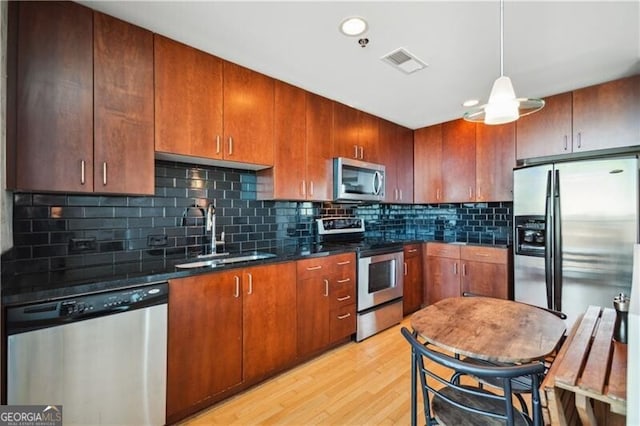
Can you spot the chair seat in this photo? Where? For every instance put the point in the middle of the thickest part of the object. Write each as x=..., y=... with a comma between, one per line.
x=448, y=414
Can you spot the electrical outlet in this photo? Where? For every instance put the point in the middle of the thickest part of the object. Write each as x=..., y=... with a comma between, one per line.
x=82, y=245
x=158, y=240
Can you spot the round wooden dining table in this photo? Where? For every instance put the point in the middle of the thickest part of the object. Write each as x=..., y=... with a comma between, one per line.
x=490, y=329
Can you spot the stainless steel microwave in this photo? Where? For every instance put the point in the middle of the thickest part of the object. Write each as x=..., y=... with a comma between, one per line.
x=355, y=180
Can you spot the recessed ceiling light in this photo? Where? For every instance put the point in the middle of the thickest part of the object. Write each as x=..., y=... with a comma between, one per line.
x=353, y=26
x=470, y=103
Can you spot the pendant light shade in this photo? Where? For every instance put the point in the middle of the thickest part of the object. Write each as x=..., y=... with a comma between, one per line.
x=503, y=106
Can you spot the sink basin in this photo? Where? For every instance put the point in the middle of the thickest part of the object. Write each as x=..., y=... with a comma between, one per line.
x=212, y=263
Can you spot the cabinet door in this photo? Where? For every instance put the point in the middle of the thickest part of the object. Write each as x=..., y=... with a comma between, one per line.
x=54, y=97
x=404, y=165
x=443, y=278
x=546, y=132
x=607, y=115
x=495, y=160
x=458, y=161
x=388, y=145
x=248, y=115
x=269, y=319
x=346, y=129
x=204, y=339
x=289, y=180
x=319, y=162
x=123, y=107
x=313, y=306
x=413, y=287
x=188, y=100
x=427, y=164
x=485, y=279
x=368, y=137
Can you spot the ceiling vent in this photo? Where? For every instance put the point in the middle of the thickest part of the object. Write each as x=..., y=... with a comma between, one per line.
x=404, y=61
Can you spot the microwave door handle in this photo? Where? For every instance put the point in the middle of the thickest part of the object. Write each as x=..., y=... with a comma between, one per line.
x=377, y=183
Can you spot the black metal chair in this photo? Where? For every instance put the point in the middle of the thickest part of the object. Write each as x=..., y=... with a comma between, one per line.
x=448, y=402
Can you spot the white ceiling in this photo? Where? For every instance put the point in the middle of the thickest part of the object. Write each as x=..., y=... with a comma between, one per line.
x=550, y=46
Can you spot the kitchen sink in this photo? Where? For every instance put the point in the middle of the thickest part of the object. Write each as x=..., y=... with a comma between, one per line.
x=212, y=263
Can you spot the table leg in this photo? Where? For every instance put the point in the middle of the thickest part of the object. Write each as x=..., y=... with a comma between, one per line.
x=585, y=411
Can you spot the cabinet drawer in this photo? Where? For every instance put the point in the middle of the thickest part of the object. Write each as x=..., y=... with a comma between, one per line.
x=412, y=250
x=484, y=254
x=342, y=294
x=339, y=265
x=342, y=322
x=443, y=250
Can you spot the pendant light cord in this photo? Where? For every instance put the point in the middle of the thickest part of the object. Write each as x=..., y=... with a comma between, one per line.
x=501, y=38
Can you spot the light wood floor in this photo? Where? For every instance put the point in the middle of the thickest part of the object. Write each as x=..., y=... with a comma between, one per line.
x=355, y=384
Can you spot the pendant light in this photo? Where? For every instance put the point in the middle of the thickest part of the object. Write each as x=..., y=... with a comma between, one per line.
x=503, y=106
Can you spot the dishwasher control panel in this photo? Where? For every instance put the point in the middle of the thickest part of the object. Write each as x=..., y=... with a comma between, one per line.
x=48, y=314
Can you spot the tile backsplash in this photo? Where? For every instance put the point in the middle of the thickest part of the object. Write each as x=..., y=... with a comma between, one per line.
x=64, y=231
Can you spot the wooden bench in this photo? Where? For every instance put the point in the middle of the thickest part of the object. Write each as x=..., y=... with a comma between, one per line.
x=589, y=367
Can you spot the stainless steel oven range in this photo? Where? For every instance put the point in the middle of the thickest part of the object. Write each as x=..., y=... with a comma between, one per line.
x=380, y=273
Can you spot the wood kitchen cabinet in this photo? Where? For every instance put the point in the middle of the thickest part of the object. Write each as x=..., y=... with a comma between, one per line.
x=495, y=160
x=427, y=168
x=396, y=151
x=209, y=108
x=204, y=340
x=413, y=288
x=228, y=329
x=355, y=134
x=326, y=296
x=303, y=166
x=459, y=161
x=91, y=129
x=596, y=117
x=453, y=269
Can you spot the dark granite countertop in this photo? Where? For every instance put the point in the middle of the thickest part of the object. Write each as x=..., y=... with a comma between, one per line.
x=44, y=286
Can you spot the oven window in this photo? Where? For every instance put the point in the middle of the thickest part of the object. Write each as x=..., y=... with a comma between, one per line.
x=381, y=275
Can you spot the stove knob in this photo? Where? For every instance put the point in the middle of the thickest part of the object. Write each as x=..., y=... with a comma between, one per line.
x=135, y=297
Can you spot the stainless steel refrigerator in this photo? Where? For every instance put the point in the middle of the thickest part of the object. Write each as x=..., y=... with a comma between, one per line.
x=575, y=225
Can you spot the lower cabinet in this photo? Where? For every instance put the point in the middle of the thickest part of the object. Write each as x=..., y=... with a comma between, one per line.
x=453, y=269
x=326, y=301
x=225, y=329
x=413, y=289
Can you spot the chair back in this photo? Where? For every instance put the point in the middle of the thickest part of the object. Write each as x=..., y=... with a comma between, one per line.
x=448, y=401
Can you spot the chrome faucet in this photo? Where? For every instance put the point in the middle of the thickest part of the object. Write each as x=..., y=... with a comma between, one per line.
x=211, y=226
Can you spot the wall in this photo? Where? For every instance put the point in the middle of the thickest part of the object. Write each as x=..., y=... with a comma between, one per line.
x=5, y=197
x=48, y=228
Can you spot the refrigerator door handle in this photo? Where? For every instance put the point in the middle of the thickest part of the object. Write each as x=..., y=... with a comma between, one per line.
x=548, y=270
x=557, y=245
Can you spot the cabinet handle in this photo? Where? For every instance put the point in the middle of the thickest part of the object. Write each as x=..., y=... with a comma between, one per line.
x=303, y=188
x=311, y=188
x=342, y=299
x=405, y=268
x=395, y=194
x=579, y=139
x=455, y=268
x=464, y=269
x=399, y=194
x=236, y=294
x=345, y=262
x=217, y=144
x=344, y=280
x=438, y=194
x=314, y=268
x=82, y=173
x=355, y=152
x=250, y=283
x=230, y=145
x=104, y=173
x=412, y=250
x=470, y=193
x=326, y=288
x=341, y=317
x=566, y=142
x=361, y=152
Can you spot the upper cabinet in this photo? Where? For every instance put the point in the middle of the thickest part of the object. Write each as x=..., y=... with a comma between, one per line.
x=211, y=109
x=396, y=151
x=355, y=134
x=459, y=161
x=596, y=117
x=82, y=92
x=188, y=100
x=303, y=167
x=427, y=164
